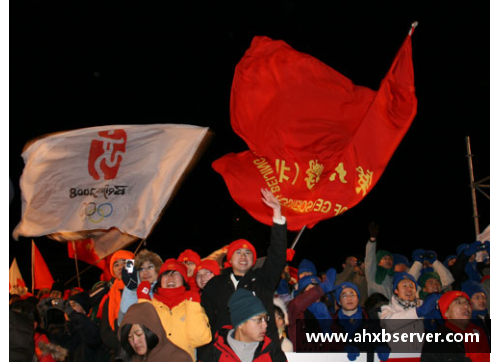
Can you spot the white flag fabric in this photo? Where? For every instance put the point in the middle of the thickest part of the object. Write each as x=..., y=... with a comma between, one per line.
x=80, y=184
x=16, y=281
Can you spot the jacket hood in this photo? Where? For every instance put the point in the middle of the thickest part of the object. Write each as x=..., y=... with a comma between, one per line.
x=145, y=314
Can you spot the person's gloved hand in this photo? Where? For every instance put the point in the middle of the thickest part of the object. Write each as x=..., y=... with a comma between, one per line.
x=143, y=290
x=331, y=274
x=373, y=229
x=473, y=248
x=429, y=305
x=429, y=258
x=352, y=352
x=418, y=255
x=329, y=282
x=487, y=246
x=130, y=279
x=383, y=352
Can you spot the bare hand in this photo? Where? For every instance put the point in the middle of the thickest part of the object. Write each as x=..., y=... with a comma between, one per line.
x=270, y=200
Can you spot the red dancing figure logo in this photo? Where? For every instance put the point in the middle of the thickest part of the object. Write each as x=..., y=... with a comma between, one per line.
x=106, y=154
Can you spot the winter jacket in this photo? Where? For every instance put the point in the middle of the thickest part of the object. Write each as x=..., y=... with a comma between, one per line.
x=394, y=318
x=220, y=351
x=186, y=324
x=146, y=315
x=129, y=297
x=450, y=351
x=263, y=281
x=302, y=322
x=371, y=270
x=84, y=340
x=21, y=337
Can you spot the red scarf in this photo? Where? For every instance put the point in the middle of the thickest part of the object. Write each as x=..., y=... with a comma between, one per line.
x=476, y=351
x=171, y=297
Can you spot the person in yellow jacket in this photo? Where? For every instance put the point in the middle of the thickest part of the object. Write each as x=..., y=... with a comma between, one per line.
x=179, y=309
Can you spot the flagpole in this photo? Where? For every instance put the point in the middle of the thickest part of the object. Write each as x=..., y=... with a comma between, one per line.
x=32, y=267
x=297, y=237
x=76, y=264
x=142, y=241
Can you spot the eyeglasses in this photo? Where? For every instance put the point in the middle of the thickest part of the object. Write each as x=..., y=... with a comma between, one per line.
x=260, y=320
x=347, y=295
x=149, y=267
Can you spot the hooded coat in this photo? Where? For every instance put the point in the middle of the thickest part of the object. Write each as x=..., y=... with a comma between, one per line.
x=145, y=314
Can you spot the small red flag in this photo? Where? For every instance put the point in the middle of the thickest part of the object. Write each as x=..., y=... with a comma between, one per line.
x=319, y=142
x=41, y=273
x=85, y=251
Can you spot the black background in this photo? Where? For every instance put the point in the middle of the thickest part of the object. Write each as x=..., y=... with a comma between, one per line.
x=86, y=63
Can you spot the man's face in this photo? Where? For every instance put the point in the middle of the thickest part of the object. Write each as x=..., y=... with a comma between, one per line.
x=459, y=312
x=386, y=262
x=452, y=261
x=432, y=285
x=400, y=268
x=254, y=329
x=76, y=307
x=241, y=261
x=406, y=290
x=349, y=299
x=55, y=294
x=351, y=261
x=147, y=272
x=118, y=265
x=478, y=301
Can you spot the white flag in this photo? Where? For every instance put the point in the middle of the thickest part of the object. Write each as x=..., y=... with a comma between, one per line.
x=79, y=184
x=16, y=281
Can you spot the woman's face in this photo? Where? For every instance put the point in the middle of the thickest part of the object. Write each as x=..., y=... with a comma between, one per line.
x=406, y=290
x=137, y=340
x=172, y=279
x=118, y=265
x=478, y=301
x=202, y=277
x=147, y=272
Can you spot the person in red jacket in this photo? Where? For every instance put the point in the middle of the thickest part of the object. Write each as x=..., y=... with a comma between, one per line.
x=246, y=339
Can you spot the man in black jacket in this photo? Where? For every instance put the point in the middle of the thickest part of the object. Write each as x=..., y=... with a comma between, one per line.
x=263, y=281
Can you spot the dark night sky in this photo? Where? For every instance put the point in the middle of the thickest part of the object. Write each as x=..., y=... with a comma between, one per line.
x=81, y=64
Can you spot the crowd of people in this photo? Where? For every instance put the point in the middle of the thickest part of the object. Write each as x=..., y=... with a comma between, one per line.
x=225, y=308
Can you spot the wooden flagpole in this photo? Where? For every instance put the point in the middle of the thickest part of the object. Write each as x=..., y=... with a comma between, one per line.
x=473, y=188
x=32, y=266
x=76, y=264
x=297, y=237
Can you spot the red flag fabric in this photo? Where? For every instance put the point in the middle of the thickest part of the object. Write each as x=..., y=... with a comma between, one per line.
x=85, y=252
x=319, y=142
x=42, y=277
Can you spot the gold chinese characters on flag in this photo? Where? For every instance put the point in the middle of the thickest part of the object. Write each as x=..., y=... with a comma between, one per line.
x=319, y=142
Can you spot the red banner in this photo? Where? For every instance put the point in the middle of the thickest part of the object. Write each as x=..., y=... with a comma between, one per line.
x=85, y=252
x=317, y=141
x=42, y=276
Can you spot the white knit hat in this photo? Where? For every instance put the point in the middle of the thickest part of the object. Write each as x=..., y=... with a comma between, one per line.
x=278, y=302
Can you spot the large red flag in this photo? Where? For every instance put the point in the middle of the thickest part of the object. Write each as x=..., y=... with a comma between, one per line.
x=319, y=142
x=41, y=273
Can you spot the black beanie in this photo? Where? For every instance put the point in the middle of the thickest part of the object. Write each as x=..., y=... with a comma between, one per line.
x=83, y=299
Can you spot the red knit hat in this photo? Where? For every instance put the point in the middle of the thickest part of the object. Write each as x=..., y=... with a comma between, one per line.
x=189, y=255
x=211, y=265
x=447, y=298
x=120, y=254
x=172, y=264
x=240, y=244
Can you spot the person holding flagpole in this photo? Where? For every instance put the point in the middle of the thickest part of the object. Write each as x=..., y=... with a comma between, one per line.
x=263, y=281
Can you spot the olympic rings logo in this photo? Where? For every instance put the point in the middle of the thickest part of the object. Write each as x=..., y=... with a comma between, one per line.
x=95, y=213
